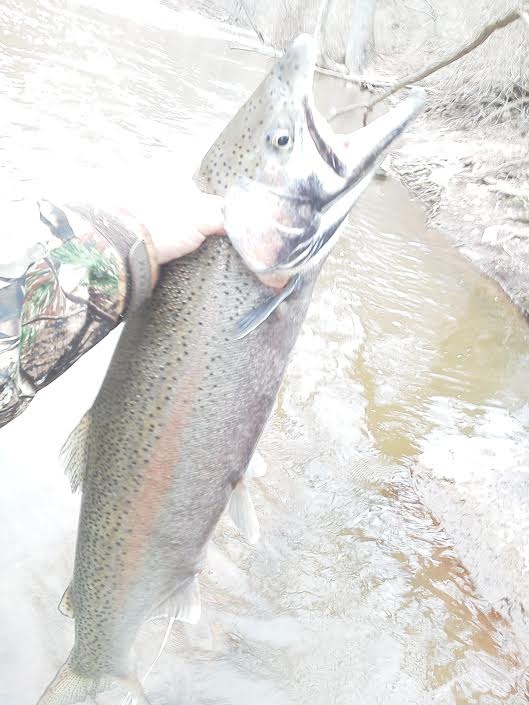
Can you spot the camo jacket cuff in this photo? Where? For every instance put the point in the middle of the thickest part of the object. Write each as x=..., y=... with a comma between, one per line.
x=65, y=283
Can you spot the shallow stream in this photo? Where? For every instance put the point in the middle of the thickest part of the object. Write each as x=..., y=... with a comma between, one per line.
x=394, y=511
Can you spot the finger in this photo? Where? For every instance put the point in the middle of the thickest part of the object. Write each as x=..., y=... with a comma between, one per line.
x=175, y=247
x=210, y=220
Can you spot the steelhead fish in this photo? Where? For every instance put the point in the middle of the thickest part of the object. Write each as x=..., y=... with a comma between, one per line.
x=167, y=443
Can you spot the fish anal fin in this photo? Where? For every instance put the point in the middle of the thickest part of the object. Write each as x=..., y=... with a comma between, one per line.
x=183, y=604
x=74, y=452
x=256, y=466
x=242, y=512
x=134, y=690
x=66, y=603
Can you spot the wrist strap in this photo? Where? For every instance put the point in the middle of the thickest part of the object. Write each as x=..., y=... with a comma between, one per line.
x=141, y=283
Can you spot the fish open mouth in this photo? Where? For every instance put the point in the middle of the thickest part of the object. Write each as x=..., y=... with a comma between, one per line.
x=283, y=216
x=364, y=151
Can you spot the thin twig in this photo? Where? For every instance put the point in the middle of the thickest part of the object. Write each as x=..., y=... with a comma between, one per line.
x=250, y=20
x=363, y=80
x=463, y=50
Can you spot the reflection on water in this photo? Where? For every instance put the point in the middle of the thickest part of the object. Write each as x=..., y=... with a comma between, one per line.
x=393, y=510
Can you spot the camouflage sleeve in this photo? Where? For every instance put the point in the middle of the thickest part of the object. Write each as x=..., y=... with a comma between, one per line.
x=66, y=281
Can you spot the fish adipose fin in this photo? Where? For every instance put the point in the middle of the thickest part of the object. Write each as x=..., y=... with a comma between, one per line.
x=66, y=603
x=252, y=320
x=242, y=512
x=68, y=688
x=73, y=454
x=183, y=605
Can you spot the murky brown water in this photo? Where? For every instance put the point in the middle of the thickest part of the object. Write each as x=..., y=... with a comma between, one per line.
x=394, y=510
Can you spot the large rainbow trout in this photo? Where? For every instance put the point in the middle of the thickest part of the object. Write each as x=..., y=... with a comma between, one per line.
x=167, y=443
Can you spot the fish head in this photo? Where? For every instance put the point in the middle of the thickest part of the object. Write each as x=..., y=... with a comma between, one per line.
x=260, y=141
x=288, y=179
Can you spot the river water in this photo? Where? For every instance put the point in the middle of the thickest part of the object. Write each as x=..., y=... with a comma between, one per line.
x=393, y=563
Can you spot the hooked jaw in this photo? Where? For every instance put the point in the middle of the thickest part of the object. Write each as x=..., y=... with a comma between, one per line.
x=283, y=219
x=360, y=154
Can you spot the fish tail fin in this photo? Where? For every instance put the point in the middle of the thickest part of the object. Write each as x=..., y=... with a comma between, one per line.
x=69, y=687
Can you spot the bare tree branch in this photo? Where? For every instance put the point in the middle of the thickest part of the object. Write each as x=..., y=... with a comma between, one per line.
x=463, y=50
x=360, y=45
x=250, y=20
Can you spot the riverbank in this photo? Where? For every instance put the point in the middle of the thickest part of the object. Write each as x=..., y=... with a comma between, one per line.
x=475, y=187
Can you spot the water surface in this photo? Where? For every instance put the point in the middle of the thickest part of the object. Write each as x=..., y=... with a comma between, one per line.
x=393, y=511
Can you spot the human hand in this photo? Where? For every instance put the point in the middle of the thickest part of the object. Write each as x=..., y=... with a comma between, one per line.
x=180, y=223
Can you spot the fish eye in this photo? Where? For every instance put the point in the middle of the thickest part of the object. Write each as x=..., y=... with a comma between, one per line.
x=281, y=139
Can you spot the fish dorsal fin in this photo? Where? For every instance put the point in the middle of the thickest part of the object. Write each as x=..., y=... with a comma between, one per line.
x=183, y=604
x=242, y=512
x=73, y=455
x=66, y=603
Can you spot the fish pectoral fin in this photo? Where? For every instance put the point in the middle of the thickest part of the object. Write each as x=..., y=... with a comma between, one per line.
x=183, y=604
x=73, y=455
x=66, y=604
x=252, y=320
x=242, y=512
